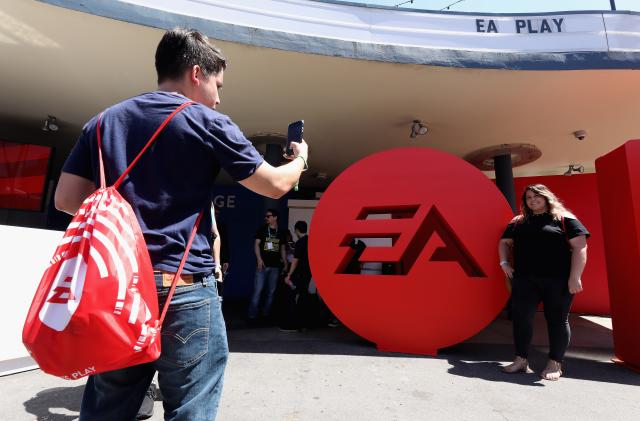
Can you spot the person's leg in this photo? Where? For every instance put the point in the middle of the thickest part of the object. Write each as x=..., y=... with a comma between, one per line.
x=194, y=353
x=557, y=304
x=303, y=309
x=289, y=319
x=303, y=304
x=258, y=285
x=116, y=395
x=524, y=301
x=272, y=275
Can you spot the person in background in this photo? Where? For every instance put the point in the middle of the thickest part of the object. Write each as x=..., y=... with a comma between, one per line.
x=299, y=276
x=548, y=247
x=354, y=267
x=271, y=256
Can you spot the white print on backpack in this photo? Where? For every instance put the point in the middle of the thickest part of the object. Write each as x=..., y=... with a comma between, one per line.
x=146, y=331
x=65, y=294
x=81, y=373
x=58, y=257
x=120, y=272
x=108, y=226
x=109, y=229
x=106, y=229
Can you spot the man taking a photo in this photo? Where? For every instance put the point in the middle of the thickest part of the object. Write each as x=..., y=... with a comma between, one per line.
x=167, y=189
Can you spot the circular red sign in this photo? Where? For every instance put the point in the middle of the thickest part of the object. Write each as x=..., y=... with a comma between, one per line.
x=431, y=220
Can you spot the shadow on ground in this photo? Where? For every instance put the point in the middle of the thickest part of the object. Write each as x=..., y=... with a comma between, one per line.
x=479, y=361
x=588, y=358
x=56, y=404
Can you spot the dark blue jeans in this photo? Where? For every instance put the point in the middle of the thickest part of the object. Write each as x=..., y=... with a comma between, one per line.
x=190, y=368
x=267, y=278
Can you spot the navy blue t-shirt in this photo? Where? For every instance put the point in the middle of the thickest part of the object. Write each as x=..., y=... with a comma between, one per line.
x=173, y=180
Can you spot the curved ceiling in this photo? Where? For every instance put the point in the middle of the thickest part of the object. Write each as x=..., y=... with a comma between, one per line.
x=73, y=64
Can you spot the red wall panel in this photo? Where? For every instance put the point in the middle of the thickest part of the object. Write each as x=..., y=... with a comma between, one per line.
x=23, y=171
x=619, y=190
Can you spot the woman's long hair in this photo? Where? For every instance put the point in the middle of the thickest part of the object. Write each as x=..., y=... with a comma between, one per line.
x=554, y=205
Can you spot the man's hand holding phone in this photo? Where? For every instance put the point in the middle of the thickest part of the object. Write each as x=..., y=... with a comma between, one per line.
x=298, y=149
x=296, y=146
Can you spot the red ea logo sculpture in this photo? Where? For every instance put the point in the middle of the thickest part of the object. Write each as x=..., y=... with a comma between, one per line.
x=439, y=220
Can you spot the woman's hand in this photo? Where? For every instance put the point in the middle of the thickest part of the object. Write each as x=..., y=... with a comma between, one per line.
x=508, y=270
x=575, y=285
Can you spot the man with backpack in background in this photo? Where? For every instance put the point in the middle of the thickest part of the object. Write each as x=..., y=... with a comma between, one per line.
x=168, y=188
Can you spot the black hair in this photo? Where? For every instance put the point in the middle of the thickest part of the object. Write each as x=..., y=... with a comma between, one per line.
x=181, y=49
x=301, y=226
x=273, y=212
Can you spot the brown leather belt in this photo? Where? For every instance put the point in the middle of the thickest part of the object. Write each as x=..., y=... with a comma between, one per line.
x=167, y=278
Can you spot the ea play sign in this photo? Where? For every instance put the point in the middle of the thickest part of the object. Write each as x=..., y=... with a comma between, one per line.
x=439, y=220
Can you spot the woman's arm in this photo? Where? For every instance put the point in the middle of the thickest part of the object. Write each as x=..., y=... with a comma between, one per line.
x=578, y=262
x=504, y=251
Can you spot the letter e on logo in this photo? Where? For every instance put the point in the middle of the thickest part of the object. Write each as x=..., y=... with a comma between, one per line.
x=64, y=294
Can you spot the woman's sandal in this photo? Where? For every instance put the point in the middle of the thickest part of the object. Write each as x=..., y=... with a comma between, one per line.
x=520, y=365
x=552, y=372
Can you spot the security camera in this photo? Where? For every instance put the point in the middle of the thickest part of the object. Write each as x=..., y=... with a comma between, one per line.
x=580, y=134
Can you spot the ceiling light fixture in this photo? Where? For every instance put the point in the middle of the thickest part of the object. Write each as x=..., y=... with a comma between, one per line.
x=50, y=124
x=574, y=168
x=418, y=129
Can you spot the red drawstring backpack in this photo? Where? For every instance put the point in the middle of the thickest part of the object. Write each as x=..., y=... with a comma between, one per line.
x=96, y=308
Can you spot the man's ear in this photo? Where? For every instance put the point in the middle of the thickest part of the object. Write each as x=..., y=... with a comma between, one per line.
x=195, y=74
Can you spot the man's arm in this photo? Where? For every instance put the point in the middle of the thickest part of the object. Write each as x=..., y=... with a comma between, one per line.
x=71, y=192
x=283, y=255
x=256, y=250
x=294, y=265
x=275, y=182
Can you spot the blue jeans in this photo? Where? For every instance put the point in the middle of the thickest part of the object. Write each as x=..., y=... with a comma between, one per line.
x=190, y=368
x=268, y=276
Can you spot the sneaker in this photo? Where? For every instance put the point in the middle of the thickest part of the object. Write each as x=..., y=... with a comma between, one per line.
x=146, y=409
x=334, y=323
x=288, y=329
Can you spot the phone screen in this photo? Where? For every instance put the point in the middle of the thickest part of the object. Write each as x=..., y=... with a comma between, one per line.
x=294, y=134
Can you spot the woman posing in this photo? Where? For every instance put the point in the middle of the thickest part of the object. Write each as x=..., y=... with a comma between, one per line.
x=548, y=247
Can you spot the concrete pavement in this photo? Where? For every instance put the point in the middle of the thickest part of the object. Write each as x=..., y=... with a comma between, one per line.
x=331, y=374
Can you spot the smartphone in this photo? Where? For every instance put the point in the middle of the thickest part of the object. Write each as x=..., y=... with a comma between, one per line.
x=294, y=134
